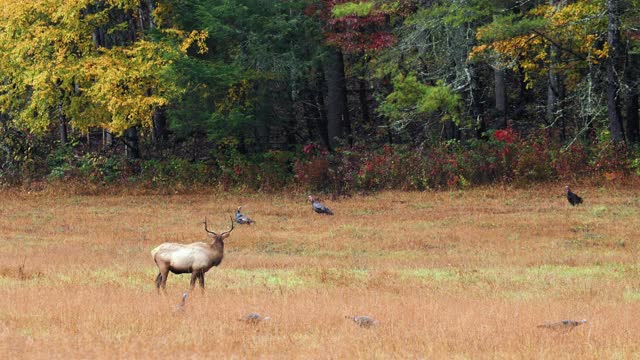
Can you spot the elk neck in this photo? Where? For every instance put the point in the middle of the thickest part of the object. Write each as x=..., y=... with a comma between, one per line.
x=217, y=244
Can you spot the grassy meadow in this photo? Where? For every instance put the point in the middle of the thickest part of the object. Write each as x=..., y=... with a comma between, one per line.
x=447, y=275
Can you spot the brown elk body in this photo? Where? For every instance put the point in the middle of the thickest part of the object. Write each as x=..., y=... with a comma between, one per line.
x=196, y=258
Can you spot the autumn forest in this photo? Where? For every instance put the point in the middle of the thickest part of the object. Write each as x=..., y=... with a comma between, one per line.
x=424, y=179
x=318, y=95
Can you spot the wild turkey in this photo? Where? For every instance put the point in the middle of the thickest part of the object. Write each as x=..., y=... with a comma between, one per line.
x=254, y=318
x=180, y=306
x=363, y=321
x=573, y=198
x=563, y=325
x=319, y=207
x=241, y=218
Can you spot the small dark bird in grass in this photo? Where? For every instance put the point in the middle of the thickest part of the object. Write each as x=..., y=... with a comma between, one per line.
x=563, y=325
x=254, y=318
x=243, y=219
x=319, y=207
x=573, y=198
x=363, y=321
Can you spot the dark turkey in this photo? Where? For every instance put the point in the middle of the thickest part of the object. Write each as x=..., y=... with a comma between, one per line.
x=319, y=207
x=573, y=198
x=241, y=218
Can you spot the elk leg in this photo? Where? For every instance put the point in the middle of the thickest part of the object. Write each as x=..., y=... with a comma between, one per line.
x=165, y=274
x=194, y=276
x=158, y=281
x=201, y=278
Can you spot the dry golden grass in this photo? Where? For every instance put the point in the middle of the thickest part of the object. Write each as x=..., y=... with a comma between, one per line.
x=447, y=275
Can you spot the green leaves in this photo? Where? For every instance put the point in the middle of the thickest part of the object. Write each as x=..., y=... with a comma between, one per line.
x=509, y=26
x=412, y=100
x=259, y=53
x=352, y=8
x=440, y=98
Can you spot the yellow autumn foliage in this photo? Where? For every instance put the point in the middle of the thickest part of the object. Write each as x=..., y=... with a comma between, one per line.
x=51, y=67
x=196, y=37
x=575, y=28
x=238, y=94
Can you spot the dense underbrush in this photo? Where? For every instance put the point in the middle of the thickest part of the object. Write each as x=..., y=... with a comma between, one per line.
x=502, y=157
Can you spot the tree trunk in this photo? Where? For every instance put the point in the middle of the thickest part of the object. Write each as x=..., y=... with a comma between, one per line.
x=613, y=39
x=337, y=111
x=322, y=121
x=364, y=102
x=450, y=130
x=291, y=125
x=633, y=94
x=308, y=112
x=474, y=92
x=147, y=14
x=160, y=132
x=62, y=127
x=555, y=94
x=132, y=148
x=107, y=139
x=552, y=88
x=346, y=117
x=554, y=85
x=501, y=98
x=633, y=128
x=523, y=98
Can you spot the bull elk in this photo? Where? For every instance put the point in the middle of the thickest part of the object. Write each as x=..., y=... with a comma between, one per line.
x=196, y=258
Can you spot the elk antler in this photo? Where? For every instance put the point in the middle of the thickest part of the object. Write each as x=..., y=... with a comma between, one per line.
x=229, y=231
x=206, y=229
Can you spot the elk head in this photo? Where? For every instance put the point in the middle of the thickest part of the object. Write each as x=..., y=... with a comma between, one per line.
x=218, y=237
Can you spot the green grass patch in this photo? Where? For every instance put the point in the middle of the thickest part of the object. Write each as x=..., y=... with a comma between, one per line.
x=599, y=211
x=422, y=206
x=362, y=212
x=239, y=278
x=359, y=232
x=631, y=294
x=440, y=275
x=625, y=212
x=613, y=271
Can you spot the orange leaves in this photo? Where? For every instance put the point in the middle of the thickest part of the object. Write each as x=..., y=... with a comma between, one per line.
x=506, y=51
x=478, y=49
x=513, y=47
